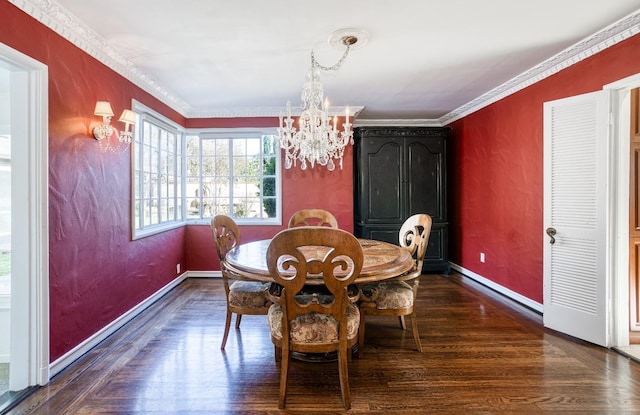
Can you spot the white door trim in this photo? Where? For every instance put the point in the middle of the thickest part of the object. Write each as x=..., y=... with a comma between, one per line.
x=620, y=120
x=30, y=296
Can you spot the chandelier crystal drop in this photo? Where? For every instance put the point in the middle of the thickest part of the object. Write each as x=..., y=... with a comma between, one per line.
x=317, y=139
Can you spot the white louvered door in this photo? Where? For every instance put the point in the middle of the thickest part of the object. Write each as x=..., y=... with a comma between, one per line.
x=575, y=199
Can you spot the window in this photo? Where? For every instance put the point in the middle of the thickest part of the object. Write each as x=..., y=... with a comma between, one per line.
x=192, y=176
x=233, y=172
x=157, y=174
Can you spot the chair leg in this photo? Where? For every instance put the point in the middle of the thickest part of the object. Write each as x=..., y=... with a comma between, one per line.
x=277, y=353
x=284, y=372
x=403, y=325
x=238, y=318
x=416, y=334
x=227, y=324
x=343, y=371
x=361, y=335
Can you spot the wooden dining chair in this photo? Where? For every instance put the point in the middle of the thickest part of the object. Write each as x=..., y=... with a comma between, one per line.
x=397, y=296
x=306, y=323
x=313, y=217
x=243, y=295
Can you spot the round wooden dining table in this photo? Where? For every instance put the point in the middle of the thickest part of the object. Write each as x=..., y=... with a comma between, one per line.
x=382, y=260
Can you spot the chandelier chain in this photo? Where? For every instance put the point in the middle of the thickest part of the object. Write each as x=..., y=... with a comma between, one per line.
x=335, y=67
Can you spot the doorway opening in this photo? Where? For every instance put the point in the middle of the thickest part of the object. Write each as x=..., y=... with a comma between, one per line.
x=24, y=251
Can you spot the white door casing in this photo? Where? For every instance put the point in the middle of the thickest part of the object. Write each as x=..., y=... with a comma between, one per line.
x=29, y=348
x=576, y=152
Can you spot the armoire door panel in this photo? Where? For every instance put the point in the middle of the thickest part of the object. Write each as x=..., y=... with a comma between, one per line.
x=424, y=182
x=384, y=234
x=385, y=186
x=436, y=246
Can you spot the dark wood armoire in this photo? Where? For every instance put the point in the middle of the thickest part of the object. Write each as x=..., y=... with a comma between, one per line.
x=398, y=172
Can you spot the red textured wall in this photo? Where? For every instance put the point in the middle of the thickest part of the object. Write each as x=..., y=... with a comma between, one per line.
x=496, y=173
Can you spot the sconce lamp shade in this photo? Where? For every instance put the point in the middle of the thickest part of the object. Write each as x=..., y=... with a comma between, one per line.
x=128, y=117
x=104, y=131
x=103, y=109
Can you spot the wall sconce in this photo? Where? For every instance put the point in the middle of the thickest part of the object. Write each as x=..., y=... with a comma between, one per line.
x=103, y=109
x=128, y=117
x=103, y=132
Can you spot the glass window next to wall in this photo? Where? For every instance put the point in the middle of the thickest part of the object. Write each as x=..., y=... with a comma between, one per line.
x=234, y=173
x=157, y=176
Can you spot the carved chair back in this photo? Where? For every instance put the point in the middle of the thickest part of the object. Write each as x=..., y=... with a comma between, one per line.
x=313, y=217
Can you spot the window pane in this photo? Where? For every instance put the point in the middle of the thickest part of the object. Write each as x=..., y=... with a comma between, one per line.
x=193, y=146
x=157, y=178
x=153, y=212
x=269, y=186
x=269, y=207
x=221, y=166
x=222, y=147
x=171, y=209
x=269, y=166
x=239, y=166
x=193, y=197
x=208, y=148
x=208, y=207
x=208, y=166
x=239, y=208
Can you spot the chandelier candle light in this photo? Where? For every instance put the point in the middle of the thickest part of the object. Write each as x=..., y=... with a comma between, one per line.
x=317, y=139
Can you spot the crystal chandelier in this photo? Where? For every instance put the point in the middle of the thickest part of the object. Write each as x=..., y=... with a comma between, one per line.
x=317, y=139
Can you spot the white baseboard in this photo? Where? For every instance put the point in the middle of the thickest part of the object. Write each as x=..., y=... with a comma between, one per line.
x=204, y=274
x=534, y=305
x=72, y=355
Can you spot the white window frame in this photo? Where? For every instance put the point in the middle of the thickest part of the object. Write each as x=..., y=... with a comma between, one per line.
x=241, y=133
x=144, y=113
x=180, y=219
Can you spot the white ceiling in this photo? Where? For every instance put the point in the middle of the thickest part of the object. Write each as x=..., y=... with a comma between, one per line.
x=424, y=59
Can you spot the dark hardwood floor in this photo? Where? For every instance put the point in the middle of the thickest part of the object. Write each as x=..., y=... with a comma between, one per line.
x=482, y=355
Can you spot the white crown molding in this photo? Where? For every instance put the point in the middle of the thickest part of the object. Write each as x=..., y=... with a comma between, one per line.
x=417, y=122
x=52, y=15
x=61, y=21
x=607, y=37
x=272, y=112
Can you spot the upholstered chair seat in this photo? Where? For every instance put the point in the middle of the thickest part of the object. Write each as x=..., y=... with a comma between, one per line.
x=313, y=327
x=248, y=294
x=389, y=294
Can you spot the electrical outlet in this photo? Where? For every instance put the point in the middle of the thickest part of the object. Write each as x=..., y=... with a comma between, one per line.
x=177, y=268
x=482, y=257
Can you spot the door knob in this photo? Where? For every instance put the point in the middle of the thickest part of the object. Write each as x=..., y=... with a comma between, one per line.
x=551, y=232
